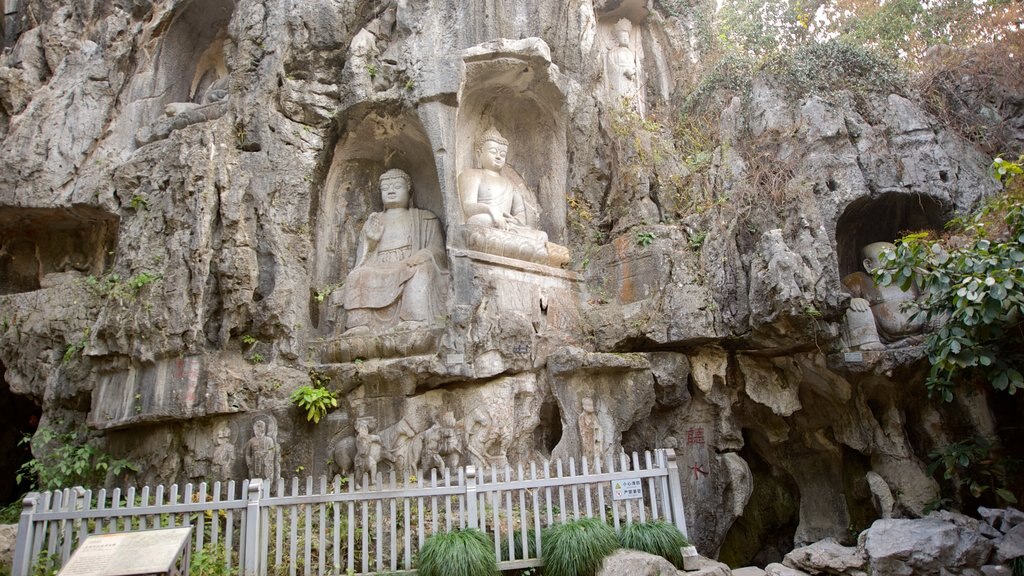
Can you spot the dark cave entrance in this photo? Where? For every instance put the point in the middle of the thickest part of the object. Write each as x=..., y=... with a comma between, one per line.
x=20, y=417
x=765, y=531
x=884, y=219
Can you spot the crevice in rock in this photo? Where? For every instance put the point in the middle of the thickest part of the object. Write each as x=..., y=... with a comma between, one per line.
x=765, y=531
x=21, y=416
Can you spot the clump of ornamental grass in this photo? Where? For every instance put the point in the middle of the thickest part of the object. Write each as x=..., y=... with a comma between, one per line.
x=577, y=548
x=457, y=553
x=659, y=538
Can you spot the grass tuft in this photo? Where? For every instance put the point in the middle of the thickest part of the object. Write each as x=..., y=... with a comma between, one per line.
x=457, y=553
x=659, y=538
x=577, y=548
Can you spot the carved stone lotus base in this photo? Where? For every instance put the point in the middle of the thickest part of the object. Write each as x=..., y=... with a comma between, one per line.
x=514, y=245
x=387, y=345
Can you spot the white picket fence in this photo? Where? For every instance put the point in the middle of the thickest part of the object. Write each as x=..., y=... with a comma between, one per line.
x=321, y=527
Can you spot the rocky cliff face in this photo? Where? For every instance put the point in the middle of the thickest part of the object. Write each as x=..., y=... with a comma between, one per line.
x=183, y=185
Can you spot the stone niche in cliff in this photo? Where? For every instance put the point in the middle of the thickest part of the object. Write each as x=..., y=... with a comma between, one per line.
x=188, y=83
x=511, y=139
x=883, y=218
x=382, y=144
x=46, y=247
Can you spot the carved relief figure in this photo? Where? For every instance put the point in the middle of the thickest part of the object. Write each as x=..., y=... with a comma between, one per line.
x=223, y=454
x=404, y=450
x=488, y=197
x=441, y=446
x=262, y=454
x=397, y=280
x=369, y=449
x=484, y=440
x=876, y=315
x=591, y=433
x=621, y=65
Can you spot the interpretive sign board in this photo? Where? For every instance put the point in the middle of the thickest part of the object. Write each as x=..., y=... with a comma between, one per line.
x=130, y=553
x=627, y=489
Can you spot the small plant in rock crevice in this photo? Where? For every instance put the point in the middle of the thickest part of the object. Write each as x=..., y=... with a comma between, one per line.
x=315, y=399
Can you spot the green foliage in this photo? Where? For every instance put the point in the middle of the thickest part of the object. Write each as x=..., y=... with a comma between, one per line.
x=316, y=400
x=249, y=340
x=697, y=240
x=645, y=238
x=659, y=538
x=112, y=287
x=827, y=67
x=457, y=553
x=67, y=460
x=973, y=283
x=256, y=358
x=760, y=27
x=577, y=548
x=210, y=561
x=974, y=464
x=138, y=202
x=730, y=73
x=321, y=294
x=517, y=545
x=75, y=348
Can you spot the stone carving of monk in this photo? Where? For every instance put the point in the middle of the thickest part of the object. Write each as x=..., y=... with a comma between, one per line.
x=489, y=198
x=877, y=314
x=622, y=63
x=591, y=433
x=223, y=454
x=397, y=278
x=262, y=454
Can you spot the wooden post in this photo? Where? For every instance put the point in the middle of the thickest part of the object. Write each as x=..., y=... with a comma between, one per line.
x=471, y=501
x=250, y=536
x=23, y=544
x=675, y=489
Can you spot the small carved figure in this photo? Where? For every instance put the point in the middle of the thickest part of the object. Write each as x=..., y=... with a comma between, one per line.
x=223, y=454
x=441, y=446
x=397, y=278
x=404, y=452
x=484, y=440
x=591, y=433
x=369, y=449
x=262, y=454
x=622, y=70
x=488, y=197
x=877, y=314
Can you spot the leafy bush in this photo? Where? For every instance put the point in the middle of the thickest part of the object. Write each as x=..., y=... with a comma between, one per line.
x=67, y=460
x=210, y=561
x=315, y=401
x=827, y=67
x=975, y=462
x=457, y=553
x=659, y=538
x=577, y=548
x=973, y=283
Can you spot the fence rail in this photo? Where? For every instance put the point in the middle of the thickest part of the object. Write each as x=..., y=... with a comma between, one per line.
x=329, y=527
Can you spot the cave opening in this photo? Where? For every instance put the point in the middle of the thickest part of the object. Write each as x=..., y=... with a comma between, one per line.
x=884, y=219
x=21, y=417
x=765, y=531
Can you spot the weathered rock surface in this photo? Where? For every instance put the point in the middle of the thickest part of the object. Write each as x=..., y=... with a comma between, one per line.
x=183, y=185
x=636, y=563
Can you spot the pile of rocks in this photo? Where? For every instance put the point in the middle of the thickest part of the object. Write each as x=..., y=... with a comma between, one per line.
x=945, y=543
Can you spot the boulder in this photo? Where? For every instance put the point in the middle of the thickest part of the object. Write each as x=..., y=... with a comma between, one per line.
x=924, y=546
x=782, y=570
x=828, y=557
x=635, y=563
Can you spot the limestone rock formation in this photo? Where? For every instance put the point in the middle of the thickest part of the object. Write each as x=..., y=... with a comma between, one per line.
x=183, y=187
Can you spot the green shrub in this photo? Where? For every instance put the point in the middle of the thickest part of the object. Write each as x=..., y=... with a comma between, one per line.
x=517, y=545
x=659, y=538
x=316, y=402
x=577, y=548
x=457, y=553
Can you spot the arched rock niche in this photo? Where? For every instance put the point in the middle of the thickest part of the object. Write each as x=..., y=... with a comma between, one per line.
x=883, y=219
x=193, y=30
x=514, y=88
x=43, y=247
x=373, y=139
